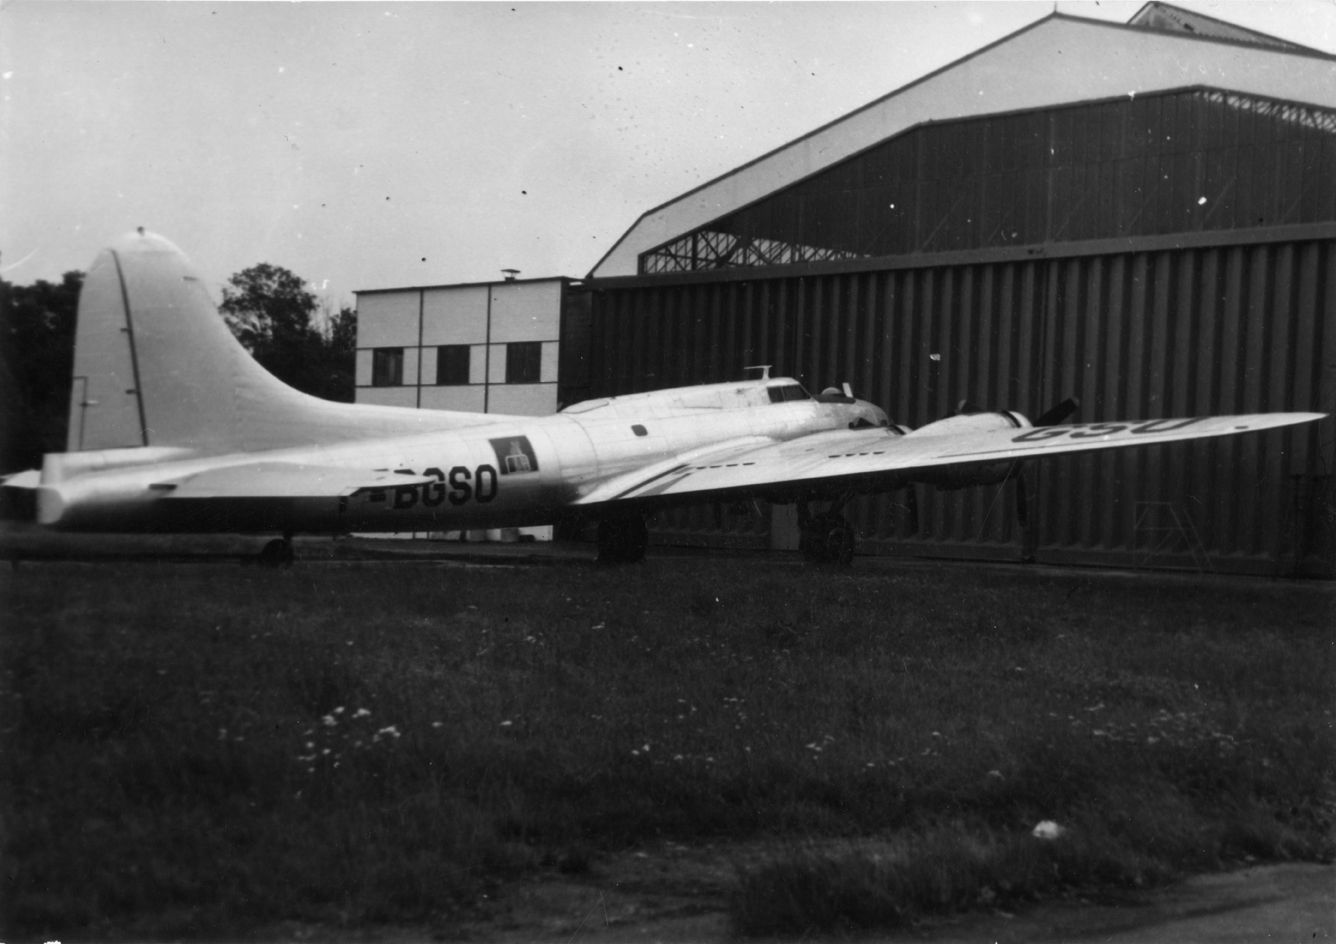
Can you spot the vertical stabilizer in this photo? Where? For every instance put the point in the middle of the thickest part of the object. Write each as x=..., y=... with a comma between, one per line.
x=105, y=406
x=155, y=365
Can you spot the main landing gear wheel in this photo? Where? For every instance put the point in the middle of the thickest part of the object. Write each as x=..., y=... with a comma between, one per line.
x=622, y=540
x=278, y=553
x=828, y=539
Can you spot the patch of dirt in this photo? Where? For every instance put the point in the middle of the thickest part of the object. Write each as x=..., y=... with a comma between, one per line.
x=675, y=894
x=669, y=892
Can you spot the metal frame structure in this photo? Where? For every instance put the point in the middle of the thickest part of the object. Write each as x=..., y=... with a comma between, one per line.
x=1185, y=161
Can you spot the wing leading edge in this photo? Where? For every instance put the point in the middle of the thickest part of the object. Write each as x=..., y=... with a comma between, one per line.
x=880, y=456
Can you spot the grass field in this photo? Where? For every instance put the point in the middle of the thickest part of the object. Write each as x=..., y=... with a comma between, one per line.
x=204, y=750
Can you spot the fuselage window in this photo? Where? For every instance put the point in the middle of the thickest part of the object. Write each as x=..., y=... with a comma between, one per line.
x=639, y=430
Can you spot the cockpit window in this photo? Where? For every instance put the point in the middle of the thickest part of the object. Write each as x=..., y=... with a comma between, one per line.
x=787, y=392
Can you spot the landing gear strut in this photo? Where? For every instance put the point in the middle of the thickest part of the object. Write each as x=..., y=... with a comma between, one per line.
x=278, y=553
x=826, y=538
x=622, y=540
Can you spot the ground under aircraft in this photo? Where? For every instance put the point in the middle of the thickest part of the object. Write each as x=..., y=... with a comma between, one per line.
x=175, y=428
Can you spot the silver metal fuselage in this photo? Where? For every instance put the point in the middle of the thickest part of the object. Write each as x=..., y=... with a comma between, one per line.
x=516, y=472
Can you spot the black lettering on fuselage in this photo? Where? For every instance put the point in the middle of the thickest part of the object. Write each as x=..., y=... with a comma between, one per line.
x=482, y=485
x=485, y=481
x=460, y=489
x=433, y=493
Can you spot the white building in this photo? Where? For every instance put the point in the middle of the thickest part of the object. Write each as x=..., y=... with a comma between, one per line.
x=490, y=347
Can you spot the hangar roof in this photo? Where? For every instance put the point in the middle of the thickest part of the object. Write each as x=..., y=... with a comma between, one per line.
x=1162, y=16
x=1055, y=61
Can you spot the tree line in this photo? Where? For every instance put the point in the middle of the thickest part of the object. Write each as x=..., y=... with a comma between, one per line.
x=268, y=308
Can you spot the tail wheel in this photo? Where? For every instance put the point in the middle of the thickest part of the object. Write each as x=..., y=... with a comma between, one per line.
x=622, y=540
x=828, y=539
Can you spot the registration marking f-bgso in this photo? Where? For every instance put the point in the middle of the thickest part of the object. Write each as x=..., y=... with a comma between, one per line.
x=480, y=485
x=1096, y=430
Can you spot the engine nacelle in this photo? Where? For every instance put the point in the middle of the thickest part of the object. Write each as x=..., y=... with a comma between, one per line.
x=962, y=425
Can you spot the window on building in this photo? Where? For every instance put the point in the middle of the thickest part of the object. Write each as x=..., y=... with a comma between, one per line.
x=524, y=362
x=387, y=367
x=452, y=365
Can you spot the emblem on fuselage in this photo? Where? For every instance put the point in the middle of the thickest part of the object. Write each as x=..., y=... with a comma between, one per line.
x=514, y=455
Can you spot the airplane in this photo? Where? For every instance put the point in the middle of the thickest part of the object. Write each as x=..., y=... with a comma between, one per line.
x=221, y=445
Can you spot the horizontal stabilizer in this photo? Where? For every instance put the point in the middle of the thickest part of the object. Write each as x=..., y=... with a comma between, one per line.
x=283, y=480
x=29, y=478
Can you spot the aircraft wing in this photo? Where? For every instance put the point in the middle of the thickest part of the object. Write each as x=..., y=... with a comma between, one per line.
x=651, y=480
x=282, y=480
x=875, y=456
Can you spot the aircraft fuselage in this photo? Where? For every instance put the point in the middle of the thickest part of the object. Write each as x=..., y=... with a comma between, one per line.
x=515, y=472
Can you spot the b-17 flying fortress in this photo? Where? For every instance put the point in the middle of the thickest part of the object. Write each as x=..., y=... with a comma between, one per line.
x=226, y=447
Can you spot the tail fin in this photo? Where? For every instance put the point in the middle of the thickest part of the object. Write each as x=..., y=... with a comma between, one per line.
x=154, y=365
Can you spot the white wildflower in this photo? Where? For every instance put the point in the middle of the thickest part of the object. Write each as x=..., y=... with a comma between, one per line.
x=1047, y=829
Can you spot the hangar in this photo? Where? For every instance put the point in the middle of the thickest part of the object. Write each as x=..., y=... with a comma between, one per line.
x=1142, y=216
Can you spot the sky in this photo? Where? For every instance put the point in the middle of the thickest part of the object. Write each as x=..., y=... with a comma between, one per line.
x=376, y=145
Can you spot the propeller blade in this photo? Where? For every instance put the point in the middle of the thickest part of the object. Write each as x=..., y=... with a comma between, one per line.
x=965, y=407
x=1056, y=414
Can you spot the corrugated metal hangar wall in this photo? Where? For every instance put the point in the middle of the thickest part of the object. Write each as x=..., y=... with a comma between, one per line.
x=1198, y=311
